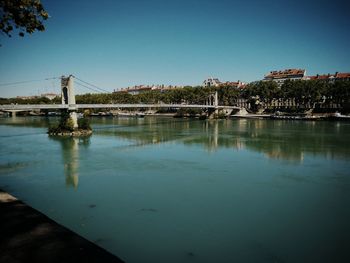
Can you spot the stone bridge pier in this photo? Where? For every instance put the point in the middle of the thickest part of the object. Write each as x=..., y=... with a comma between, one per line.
x=68, y=97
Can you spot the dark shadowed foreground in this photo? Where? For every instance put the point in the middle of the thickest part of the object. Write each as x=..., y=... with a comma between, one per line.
x=27, y=235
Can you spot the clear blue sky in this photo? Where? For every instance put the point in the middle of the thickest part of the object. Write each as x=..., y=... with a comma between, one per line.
x=120, y=43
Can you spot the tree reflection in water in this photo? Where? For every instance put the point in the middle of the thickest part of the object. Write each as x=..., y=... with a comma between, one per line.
x=276, y=139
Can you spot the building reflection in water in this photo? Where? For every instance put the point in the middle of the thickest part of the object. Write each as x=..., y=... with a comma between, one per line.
x=70, y=157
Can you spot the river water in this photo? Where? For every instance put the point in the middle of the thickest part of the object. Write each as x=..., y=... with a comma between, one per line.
x=177, y=190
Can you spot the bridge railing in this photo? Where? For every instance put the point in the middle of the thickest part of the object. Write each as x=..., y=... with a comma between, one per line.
x=29, y=107
x=139, y=105
x=32, y=106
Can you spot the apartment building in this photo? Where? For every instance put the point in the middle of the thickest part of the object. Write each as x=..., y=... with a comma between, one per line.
x=212, y=82
x=280, y=76
x=331, y=78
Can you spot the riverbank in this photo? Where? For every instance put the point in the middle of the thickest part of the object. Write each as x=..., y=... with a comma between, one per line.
x=314, y=117
x=29, y=236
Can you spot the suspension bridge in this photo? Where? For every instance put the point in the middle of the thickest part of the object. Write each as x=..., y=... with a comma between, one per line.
x=68, y=101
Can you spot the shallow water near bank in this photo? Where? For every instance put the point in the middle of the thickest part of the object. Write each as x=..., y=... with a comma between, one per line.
x=175, y=190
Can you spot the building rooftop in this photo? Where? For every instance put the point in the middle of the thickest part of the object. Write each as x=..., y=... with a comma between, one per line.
x=285, y=73
x=237, y=84
x=328, y=76
x=342, y=75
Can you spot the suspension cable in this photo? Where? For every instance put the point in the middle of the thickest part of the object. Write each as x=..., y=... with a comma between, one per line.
x=92, y=85
x=25, y=81
x=95, y=90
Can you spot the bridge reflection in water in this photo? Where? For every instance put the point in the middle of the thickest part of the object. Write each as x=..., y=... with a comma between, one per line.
x=70, y=157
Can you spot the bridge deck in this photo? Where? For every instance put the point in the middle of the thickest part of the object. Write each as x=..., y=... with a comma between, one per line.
x=25, y=107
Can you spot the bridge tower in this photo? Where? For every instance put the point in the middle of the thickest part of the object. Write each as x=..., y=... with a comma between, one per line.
x=213, y=99
x=216, y=100
x=68, y=97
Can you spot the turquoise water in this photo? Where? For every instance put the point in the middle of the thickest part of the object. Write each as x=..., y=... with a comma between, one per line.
x=175, y=190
